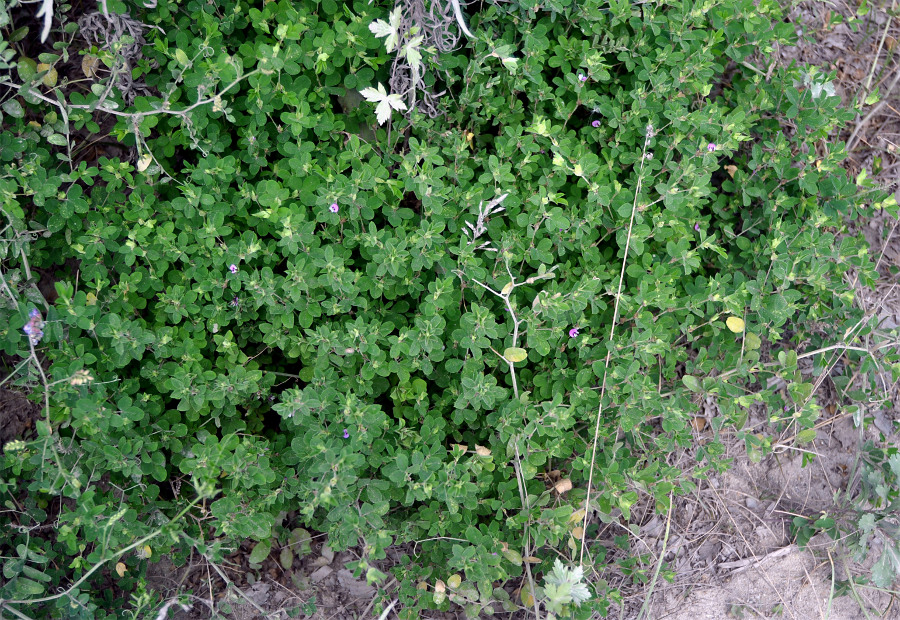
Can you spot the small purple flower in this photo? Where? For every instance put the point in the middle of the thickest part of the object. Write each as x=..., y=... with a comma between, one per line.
x=35, y=327
x=595, y=124
x=346, y=434
x=711, y=147
x=697, y=227
x=573, y=332
x=232, y=268
x=334, y=207
x=235, y=302
x=582, y=78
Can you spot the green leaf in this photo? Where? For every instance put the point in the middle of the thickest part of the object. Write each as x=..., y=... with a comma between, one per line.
x=513, y=556
x=25, y=588
x=752, y=341
x=18, y=34
x=806, y=435
x=35, y=574
x=515, y=354
x=260, y=551
x=181, y=57
x=286, y=558
x=57, y=138
x=13, y=108
x=691, y=383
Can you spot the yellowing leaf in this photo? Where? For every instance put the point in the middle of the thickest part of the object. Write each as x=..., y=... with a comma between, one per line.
x=143, y=552
x=735, y=324
x=144, y=162
x=89, y=65
x=181, y=57
x=513, y=556
x=482, y=451
x=121, y=569
x=526, y=596
x=806, y=435
x=453, y=581
x=563, y=485
x=515, y=354
x=49, y=80
x=507, y=289
x=440, y=592
x=731, y=170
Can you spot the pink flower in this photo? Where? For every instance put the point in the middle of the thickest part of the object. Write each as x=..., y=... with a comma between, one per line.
x=232, y=268
x=346, y=434
x=711, y=147
x=697, y=227
x=595, y=124
x=334, y=207
x=34, y=328
x=573, y=332
x=582, y=78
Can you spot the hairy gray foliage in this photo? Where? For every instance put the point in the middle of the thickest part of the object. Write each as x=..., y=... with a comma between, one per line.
x=436, y=21
x=106, y=32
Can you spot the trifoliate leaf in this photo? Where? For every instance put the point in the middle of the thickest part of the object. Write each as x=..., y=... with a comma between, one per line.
x=381, y=28
x=735, y=324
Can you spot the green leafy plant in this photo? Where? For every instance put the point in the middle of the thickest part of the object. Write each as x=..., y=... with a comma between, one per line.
x=410, y=335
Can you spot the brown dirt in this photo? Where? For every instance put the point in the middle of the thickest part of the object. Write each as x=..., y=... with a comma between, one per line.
x=17, y=416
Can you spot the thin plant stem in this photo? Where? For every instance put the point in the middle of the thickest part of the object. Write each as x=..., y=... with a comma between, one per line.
x=612, y=331
x=662, y=554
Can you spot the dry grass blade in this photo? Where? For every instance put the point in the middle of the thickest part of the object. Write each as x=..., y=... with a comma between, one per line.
x=612, y=331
